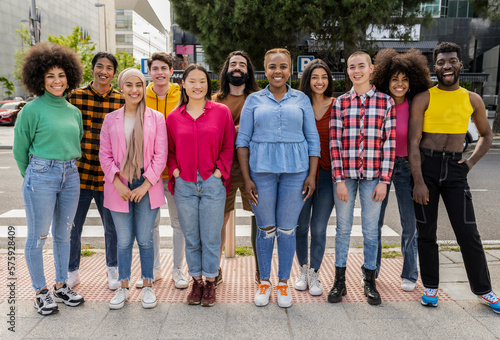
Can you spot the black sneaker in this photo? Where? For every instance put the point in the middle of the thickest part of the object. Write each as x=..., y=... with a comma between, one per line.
x=45, y=304
x=69, y=297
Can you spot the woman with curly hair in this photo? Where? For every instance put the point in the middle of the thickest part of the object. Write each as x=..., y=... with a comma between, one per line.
x=46, y=144
x=402, y=76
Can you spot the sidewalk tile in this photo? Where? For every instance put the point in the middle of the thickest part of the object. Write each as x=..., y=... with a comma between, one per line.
x=308, y=321
x=494, y=252
x=246, y=321
x=388, y=329
x=458, y=291
x=193, y=322
x=454, y=256
x=452, y=273
x=444, y=260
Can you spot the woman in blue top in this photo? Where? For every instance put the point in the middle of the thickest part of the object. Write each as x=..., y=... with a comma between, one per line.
x=278, y=151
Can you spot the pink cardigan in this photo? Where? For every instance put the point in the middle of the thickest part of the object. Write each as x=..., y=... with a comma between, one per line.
x=112, y=152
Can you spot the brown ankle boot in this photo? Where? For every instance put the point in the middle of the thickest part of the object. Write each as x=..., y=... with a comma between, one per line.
x=208, y=299
x=194, y=297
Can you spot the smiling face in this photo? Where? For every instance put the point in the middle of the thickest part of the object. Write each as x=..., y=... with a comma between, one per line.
x=319, y=80
x=447, y=68
x=103, y=72
x=359, y=70
x=196, y=85
x=160, y=72
x=55, y=81
x=133, y=90
x=399, y=85
x=278, y=69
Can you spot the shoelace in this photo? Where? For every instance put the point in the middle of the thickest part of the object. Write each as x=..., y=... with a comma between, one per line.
x=283, y=290
x=314, y=280
x=430, y=292
x=490, y=297
x=303, y=273
x=263, y=288
x=48, y=298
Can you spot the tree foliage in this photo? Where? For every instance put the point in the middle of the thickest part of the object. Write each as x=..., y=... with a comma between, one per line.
x=255, y=26
x=8, y=85
x=125, y=60
x=24, y=39
x=82, y=45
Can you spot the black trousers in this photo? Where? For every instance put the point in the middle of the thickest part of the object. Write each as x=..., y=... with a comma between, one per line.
x=445, y=177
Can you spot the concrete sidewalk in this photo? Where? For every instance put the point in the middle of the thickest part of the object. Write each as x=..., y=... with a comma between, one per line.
x=459, y=316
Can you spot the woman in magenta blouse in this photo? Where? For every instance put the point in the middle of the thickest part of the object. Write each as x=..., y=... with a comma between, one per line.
x=201, y=137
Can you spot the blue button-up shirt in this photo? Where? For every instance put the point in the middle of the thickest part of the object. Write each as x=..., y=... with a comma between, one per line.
x=280, y=135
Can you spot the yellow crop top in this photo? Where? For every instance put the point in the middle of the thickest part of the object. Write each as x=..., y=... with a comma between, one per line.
x=448, y=111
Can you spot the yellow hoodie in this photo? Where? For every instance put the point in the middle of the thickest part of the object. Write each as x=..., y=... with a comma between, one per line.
x=165, y=106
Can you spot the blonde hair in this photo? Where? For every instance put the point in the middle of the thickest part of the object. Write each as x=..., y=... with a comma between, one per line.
x=277, y=51
x=360, y=53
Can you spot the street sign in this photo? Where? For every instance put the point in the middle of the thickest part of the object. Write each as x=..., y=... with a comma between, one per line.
x=144, y=65
x=302, y=62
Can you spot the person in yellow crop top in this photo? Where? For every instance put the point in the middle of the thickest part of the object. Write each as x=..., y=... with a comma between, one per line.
x=437, y=127
x=163, y=96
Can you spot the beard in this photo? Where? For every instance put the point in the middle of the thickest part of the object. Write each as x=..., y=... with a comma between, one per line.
x=441, y=79
x=236, y=81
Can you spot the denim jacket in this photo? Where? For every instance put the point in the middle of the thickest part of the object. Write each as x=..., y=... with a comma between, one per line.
x=281, y=136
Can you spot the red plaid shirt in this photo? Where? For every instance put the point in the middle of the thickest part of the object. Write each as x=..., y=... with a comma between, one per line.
x=363, y=136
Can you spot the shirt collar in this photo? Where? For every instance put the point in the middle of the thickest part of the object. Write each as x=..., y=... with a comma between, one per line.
x=89, y=86
x=289, y=93
x=208, y=106
x=353, y=94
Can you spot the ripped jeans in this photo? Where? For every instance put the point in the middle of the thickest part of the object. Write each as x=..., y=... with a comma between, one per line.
x=50, y=191
x=447, y=178
x=138, y=223
x=279, y=205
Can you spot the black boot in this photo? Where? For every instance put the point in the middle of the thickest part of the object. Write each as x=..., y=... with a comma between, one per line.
x=370, y=288
x=338, y=290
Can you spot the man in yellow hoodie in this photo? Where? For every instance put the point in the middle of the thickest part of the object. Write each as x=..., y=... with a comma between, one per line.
x=163, y=96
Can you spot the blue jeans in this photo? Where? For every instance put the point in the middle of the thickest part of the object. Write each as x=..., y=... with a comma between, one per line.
x=136, y=224
x=200, y=207
x=279, y=204
x=86, y=196
x=370, y=213
x=401, y=177
x=315, y=215
x=50, y=193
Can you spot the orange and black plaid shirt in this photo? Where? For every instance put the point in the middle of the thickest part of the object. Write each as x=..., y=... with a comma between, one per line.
x=93, y=107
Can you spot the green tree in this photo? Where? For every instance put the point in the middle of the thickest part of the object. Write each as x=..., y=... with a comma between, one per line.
x=490, y=10
x=9, y=86
x=24, y=40
x=82, y=45
x=125, y=60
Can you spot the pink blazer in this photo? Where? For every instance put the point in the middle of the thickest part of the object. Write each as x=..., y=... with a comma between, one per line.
x=112, y=152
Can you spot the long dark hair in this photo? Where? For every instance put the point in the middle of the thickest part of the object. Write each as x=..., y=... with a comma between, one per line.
x=305, y=82
x=250, y=84
x=184, y=99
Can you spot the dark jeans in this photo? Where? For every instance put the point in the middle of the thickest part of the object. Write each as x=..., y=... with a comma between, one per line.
x=444, y=176
x=401, y=177
x=110, y=239
x=314, y=216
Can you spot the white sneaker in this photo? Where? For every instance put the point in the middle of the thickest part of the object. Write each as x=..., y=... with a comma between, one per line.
x=44, y=303
x=284, y=297
x=73, y=278
x=179, y=278
x=262, y=296
x=113, y=282
x=407, y=285
x=314, y=283
x=148, y=297
x=121, y=295
x=301, y=281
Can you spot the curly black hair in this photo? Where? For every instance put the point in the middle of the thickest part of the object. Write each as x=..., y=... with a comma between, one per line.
x=43, y=57
x=447, y=46
x=413, y=64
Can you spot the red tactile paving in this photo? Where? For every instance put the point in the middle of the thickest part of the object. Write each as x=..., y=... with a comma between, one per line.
x=238, y=285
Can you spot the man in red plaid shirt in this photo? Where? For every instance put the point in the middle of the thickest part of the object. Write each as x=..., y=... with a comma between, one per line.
x=362, y=148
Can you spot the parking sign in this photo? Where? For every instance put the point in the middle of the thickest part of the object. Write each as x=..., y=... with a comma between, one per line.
x=302, y=62
x=144, y=65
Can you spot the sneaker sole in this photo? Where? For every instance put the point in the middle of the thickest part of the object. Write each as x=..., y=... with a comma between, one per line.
x=149, y=305
x=179, y=286
x=68, y=303
x=428, y=304
x=46, y=311
x=191, y=302
x=315, y=294
x=285, y=306
x=206, y=304
x=261, y=305
x=487, y=304
x=118, y=306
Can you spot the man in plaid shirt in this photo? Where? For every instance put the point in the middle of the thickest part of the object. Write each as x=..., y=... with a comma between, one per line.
x=362, y=148
x=94, y=101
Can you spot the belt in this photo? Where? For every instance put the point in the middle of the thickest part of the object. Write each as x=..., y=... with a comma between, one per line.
x=405, y=158
x=437, y=153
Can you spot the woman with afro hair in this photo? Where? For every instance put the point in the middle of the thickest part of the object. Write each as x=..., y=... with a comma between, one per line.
x=46, y=144
x=402, y=76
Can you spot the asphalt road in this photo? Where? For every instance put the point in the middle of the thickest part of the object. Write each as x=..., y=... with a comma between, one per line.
x=483, y=179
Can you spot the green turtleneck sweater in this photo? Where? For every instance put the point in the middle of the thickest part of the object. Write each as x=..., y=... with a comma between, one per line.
x=48, y=127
